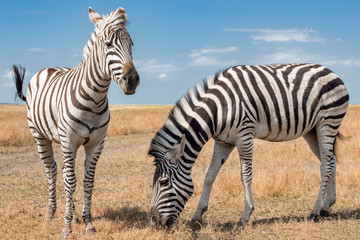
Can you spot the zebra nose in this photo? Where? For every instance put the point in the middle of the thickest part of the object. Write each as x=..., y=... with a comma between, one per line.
x=155, y=216
x=170, y=222
x=131, y=80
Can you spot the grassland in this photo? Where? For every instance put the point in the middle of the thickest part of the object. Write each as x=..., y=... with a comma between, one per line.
x=286, y=179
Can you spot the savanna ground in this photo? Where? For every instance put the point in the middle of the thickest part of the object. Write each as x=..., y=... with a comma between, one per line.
x=286, y=180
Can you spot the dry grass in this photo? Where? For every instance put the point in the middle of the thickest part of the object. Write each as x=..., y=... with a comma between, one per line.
x=125, y=120
x=285, y=186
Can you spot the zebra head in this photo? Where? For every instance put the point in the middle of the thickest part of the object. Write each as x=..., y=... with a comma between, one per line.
x=116, y=45
x=172, y=185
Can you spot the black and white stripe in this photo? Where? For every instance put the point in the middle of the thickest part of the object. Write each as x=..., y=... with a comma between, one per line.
x=70, y=107
x=270, y=102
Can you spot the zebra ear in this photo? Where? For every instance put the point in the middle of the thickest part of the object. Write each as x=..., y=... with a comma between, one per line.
x=177, y=150
x=95, y=17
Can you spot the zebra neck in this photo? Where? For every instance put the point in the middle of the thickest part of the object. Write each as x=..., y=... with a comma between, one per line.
x=95, y=83
x=196, y=126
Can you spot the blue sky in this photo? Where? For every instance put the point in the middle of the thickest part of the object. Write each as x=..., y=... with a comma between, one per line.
x=178, y=43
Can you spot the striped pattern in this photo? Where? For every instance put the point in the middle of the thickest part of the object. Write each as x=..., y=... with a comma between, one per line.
x=270, y=102
x=70, y=107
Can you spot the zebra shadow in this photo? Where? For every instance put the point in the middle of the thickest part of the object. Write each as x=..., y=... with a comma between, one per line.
x=132, y=217
x=344, y=214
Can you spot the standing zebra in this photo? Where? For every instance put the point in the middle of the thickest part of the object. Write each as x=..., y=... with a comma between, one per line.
x=274, y=103
x=70, y=107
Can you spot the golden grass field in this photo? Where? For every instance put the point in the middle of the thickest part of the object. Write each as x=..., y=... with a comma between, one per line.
x=286, y=180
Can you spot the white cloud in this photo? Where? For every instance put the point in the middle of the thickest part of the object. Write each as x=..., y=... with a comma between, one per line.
x=33, y=50
x=345, y=62
x=210, y=61
x=6, y=79
x=198, y=52
x=152, y=65
x=281, y=35
x=300, y=56
x=201, y=58
x=162, y=75
x=291, y=56
x=7, y=75
x=9, y=85
x=40, y=12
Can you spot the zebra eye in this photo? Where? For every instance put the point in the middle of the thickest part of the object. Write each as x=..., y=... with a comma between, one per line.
x=164, y=181
x=108, y=44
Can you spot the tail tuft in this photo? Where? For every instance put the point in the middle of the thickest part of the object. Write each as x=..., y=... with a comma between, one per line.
x=19, y=75
x=338, y=137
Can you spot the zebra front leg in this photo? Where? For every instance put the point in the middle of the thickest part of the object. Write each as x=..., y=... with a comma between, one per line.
x=70, y=185
x=245, y=148
x=221, y=153
x=92, y=156
x=75, y=218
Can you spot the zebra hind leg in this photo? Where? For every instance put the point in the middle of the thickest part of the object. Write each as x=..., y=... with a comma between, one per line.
x=312, y=140
x=245, y=148
x=45, y=151
x=326, y=134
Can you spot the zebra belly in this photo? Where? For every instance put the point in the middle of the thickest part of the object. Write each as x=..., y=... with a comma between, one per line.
x=44, y=124
x=263, y=132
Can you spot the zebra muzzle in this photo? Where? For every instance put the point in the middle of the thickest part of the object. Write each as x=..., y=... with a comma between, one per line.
x=130, y=80
x=161, y=221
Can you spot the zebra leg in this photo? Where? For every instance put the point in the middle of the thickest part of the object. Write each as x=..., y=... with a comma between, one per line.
x=69, y=155
x=326, y=137
x=312, y=140
x=75, y=217
x=221, y=153
x=330, y=194
x=45, y=151
x=92, y=156
x=245, y=148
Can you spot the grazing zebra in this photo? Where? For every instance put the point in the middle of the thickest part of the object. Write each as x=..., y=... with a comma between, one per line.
x=70, y=107
x=270, y=102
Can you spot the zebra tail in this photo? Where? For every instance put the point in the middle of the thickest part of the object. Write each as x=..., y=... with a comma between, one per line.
x=338, y=137
x=19, y=75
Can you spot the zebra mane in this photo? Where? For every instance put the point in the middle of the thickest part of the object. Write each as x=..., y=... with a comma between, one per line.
x=169, y=134
x=112, y=22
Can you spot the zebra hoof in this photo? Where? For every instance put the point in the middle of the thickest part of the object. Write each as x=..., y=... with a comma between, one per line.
x=65, y=233
x=314, y=217
x=242, y=223
x=324, y=213
x=196, y=224
x=75, y=220
x=89, y=229
x=49, y=215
